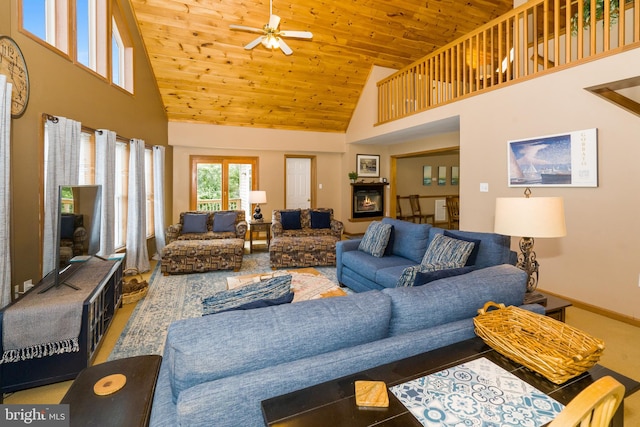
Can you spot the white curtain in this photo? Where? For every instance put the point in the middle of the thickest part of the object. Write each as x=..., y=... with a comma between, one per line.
x=61, y=167
x=106, y=177
x=137, y=253
x=5, y=191
x=158, y=197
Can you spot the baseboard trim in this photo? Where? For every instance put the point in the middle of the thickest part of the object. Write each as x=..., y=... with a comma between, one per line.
x=598, y=310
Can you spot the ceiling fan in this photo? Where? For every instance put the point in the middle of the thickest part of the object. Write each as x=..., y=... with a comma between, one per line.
x=271, y=35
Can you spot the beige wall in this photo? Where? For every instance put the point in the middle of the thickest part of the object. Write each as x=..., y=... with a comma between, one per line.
x=270, y=147
x=61, y=88
x=597, y=262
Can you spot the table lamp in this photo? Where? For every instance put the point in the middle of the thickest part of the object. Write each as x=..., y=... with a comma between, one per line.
x=257, y=197
x=530, y=217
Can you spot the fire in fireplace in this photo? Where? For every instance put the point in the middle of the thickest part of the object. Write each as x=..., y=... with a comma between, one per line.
x=368, y=200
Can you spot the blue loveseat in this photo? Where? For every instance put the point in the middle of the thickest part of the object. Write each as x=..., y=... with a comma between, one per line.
x=217, y=369
x=360, y=271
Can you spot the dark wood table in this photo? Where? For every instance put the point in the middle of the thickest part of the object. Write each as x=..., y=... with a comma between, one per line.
x=333, y=403
x=555, y=307
x=129, y=406
x=258, y=227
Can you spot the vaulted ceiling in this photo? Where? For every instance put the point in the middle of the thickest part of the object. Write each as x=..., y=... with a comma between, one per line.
x=205, y=75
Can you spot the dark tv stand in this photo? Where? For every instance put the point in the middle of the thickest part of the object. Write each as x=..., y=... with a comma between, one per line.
x=98, y=310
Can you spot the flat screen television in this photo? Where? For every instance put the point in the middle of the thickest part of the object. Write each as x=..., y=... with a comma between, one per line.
x=78, y=231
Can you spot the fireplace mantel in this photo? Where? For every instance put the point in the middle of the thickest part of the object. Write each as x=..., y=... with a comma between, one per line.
x=367, y=200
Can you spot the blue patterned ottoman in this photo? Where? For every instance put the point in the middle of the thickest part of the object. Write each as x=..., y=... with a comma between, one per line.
x=196, y=256
x=302, y=251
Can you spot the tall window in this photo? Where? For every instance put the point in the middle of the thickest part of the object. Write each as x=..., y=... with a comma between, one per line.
x=121, y=193
x=148, y=180
x=87, y=175
x=87, y=41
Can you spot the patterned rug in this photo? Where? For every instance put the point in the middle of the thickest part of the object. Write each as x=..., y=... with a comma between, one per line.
x=176, y=297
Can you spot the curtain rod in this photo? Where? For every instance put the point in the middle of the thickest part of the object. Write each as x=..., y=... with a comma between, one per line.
x=54, y=119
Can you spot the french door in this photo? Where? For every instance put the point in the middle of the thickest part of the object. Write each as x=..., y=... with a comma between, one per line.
x=222, y=183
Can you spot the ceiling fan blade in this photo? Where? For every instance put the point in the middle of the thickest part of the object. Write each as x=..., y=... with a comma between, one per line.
x=254, y=43
x=274, y=21
x=297, y=34
x=284, y=47
x=245, y=28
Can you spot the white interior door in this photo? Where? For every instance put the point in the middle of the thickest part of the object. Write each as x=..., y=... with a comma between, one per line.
x=298, y=183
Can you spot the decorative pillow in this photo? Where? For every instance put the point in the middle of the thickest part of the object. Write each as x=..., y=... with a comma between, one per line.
x=409, y=274
x=375, y=239
x=67, y=226
x=422, y=278
x=290, y=220
x=320, y=219
x=285, y=299
x=476, y=246
x=194, y=223
x=445, y=250
x=224, y=221
x=274, y=290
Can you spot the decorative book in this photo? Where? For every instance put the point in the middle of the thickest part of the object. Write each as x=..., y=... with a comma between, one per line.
x=476, y=393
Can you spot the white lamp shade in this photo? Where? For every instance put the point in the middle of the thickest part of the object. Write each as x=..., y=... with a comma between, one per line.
x=530, y=216
x=258, y=196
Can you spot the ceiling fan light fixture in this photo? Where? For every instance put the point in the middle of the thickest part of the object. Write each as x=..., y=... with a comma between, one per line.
x=271, y=42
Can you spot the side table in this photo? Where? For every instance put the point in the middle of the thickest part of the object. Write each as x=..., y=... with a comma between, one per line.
x=129, y=406
x=257, y=227
x=555, y=307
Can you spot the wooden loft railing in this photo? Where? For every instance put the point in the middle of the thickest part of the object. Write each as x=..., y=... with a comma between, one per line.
x=538, y=37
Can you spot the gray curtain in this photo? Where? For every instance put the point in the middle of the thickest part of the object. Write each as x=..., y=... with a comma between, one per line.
x=137, y=253
x=5, y=191
x=158, y=197
x=61, y=167
x=106, y=177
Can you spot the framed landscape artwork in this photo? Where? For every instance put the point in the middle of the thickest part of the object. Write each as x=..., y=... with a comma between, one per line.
x=368, y=165
x=426, y=175
x=442, y=175
x=564, y=160
x=455, y=175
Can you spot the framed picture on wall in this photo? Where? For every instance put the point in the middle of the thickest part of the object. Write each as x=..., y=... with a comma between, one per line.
x=442, y=175
x=564, y=160
x=368, y=165
x=455, y=175
x=426, y=175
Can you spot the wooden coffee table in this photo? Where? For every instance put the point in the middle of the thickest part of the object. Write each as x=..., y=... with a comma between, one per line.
x=333, y=403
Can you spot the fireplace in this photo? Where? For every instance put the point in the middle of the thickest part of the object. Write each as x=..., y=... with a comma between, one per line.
x=367, y=200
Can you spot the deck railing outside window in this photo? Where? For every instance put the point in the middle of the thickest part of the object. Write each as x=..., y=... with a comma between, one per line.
x=535, y=38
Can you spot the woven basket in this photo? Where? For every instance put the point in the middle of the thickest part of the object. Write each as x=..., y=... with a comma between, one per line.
x=133, y=288
x=551, y=348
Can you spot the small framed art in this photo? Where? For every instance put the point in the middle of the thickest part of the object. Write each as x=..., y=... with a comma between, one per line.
x=368, y=165
x=426, y=175
x=442, y=175
x=455, y=175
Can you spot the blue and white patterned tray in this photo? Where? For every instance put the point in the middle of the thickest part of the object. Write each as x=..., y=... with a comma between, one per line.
x=476, y=394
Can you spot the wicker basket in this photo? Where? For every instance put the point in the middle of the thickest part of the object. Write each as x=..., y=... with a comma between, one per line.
x=133, y=288
x=551, y=348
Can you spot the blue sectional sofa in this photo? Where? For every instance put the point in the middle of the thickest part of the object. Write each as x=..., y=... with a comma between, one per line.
x=360, y=271
x=217, y=369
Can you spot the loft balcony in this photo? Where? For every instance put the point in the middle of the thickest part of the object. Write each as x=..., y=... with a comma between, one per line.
x=536, y=38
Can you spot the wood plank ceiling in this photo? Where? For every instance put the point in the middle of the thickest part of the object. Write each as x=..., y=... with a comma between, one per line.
x=206, y=76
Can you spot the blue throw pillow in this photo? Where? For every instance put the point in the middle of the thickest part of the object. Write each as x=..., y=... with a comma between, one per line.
x=285, y=299
x=290, y=220
x=320, y=219
x=375, y=239
x=476, y=246
x=445, y=250
x=224, y=221
x=194, y=223
x=274, y=290
x=422, y=278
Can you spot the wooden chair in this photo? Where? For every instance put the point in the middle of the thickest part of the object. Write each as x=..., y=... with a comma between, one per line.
x=453, y=212
x=399, y=214
x=417, y=214
x=593, y=407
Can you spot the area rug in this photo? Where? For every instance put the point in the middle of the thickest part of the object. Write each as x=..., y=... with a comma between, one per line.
x=176, y=297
